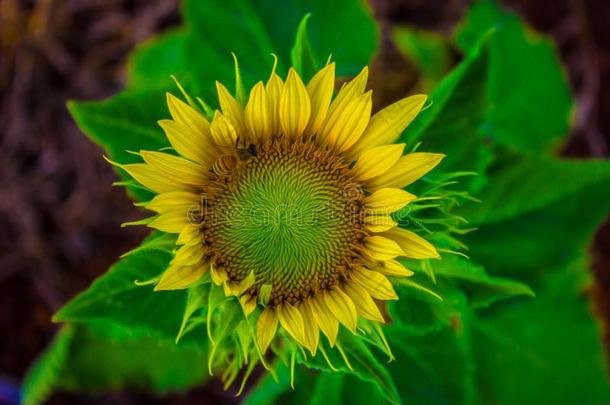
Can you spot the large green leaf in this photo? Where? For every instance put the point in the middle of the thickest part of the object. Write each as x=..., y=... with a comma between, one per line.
x=301, y=55
x=459, y=273
x=267, y=389
x=365, y=365
x=43, y=376
x=124, y=123
x=429, y=51
x=545, y=227
x=419, y=312
x=436, y=368
x=101, y=357
x=528, y=93
x=452, y=123
x=524, y=184
x=200, y=53
x=255, y=28
x=152, y=62
x=115, y=298
x=319, y=388
x=543, y=351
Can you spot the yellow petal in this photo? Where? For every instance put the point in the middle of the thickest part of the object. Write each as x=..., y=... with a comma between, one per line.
x=408, y=169
x=180, y=277
x=257, y=113
x=189, y=234
x=365, y=305
x=196, y=146
x=295, y=106
x=386, y=126
x=176, y=167
x=377, y=161
x=185, y=114
x=387, y=200
x=394, y=268
x=228, y=288
x=219, y=276
x=380, y=248
x=379, y=223
x=292, y=321
x=266, y=327
x=343, y=126
x=248, y=304
x=188, y=255
x=223, y=131
x=312, y=331
x=230, y=107
x=325, y=319
x=320, y=89
x=376, y=284
x=341, y=305
x=171, y=222
x=174, y=200
x=246, y=283
x=351, y=90
x=274, y=88
x=152, y=179
x=412, y=245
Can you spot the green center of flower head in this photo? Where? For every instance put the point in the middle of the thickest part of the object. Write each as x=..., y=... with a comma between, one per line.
x=288, y=213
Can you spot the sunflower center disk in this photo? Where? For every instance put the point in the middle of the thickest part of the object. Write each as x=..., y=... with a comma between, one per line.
x=290, y=214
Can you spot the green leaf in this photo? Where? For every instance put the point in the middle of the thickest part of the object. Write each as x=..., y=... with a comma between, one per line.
x=521, y=184
x=452, y=122
x=368, y=368
x=434, y=368
x=429, y=51
x=115, y=298
x=127, y=122
x=232, y=316
x=301, y=54
x=267, y=390
x=528, y=91
x=156, y=241
x=123, y=123
x=482, y=289
x=316, y=388
x=254, y=29
x=547, y=227
x=364, y=364
x=152, y=62
x=543, y=351
x=419, y=312
x=101, y=357
x=43, y=376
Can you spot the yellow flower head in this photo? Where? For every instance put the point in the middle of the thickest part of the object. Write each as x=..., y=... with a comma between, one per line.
x=286, y=202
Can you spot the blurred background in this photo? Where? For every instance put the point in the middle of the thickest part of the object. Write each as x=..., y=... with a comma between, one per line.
x=59, y=215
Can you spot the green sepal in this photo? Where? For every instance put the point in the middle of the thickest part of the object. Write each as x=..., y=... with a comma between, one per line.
x=301, y=55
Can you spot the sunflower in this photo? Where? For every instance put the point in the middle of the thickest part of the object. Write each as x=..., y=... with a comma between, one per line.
x=286, y=200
